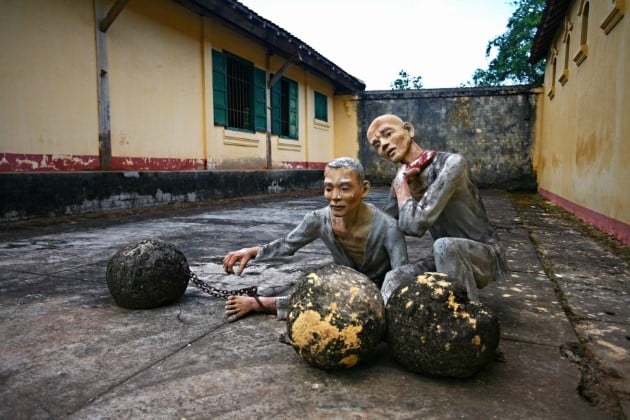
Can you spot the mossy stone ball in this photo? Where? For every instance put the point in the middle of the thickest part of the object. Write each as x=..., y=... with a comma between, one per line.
x=336, y=318
x=434, y=329
x=147, y=274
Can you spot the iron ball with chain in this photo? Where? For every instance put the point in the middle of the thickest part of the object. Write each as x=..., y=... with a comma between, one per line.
x=153, y=273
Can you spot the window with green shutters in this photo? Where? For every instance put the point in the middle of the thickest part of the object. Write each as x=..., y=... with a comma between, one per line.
x=284, y=108
x=321, y=106
x=239, y=93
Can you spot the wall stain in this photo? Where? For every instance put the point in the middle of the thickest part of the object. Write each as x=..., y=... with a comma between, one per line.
x=590, y=149
x=242, y=164
x=461, y=114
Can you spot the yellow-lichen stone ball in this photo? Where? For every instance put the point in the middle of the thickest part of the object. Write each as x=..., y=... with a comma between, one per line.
x=434, y=329
x=336, y=317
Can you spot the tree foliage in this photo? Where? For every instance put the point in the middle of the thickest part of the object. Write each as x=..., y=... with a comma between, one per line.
x=511, y=64
x=406, y=81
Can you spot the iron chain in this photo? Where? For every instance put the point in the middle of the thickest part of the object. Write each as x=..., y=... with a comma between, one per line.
x=220, y=293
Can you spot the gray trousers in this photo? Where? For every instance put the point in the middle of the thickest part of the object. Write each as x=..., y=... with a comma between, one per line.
x=470, y=262
x=282, y=307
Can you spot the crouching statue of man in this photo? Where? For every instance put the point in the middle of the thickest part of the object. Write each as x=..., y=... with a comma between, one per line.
x=433, y=191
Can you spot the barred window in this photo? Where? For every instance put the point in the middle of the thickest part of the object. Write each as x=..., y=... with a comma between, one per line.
x=239, y=93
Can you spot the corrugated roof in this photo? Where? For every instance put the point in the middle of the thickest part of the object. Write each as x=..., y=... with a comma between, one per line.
x=552, y=18
x=278, y=41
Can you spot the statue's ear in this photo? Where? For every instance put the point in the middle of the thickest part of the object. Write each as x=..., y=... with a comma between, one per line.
x=409, y=127
x=366, y=188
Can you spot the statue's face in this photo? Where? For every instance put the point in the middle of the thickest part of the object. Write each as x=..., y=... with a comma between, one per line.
x=390, y=137
x=343, y=191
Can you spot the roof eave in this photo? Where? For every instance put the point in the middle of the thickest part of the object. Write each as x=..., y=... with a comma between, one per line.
x=552, y=18
x=275, y=39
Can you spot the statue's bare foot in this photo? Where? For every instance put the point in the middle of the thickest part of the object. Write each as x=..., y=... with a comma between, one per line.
x=237, y=307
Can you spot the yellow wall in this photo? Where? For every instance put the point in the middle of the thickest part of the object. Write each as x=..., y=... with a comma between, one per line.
x=156, y=81
x=48, y=78
x=583, y=145
x=347, y=136
x=320, y=134
x=160, y=83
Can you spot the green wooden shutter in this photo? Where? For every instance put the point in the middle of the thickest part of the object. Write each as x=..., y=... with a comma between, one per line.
x=219, y=88
x=276, y=103
x=260, y=108
x=321, y=106
x=293, y=110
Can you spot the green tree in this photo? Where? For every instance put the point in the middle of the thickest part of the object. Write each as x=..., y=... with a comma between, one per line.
x=405, y=80
x=511, y=64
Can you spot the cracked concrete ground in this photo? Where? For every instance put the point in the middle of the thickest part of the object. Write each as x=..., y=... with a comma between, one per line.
x=68, y=352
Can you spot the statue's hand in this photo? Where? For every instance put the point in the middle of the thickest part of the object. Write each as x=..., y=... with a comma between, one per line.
x=405, y=173
x=240, y=257
x=400, y=183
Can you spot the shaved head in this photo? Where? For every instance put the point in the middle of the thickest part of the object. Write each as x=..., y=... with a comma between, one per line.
x=393, y=139
x=379, y=121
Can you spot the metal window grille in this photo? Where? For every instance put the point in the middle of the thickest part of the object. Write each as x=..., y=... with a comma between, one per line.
x=240, y=93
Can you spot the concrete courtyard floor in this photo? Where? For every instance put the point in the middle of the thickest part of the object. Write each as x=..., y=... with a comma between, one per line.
x=67, y=351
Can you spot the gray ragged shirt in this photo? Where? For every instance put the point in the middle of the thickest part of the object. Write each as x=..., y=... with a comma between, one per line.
x=447, y=204
x=385, y=248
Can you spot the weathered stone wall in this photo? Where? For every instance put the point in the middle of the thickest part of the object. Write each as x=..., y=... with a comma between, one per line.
x=31, y=195
x=493, y=128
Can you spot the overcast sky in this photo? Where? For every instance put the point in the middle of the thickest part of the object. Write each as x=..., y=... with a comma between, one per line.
x=443, y=41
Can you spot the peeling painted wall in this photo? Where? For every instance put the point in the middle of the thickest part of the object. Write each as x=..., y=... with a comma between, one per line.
x=493, y=128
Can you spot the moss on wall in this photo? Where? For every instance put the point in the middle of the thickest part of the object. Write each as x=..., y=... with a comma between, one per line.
x=492, y=127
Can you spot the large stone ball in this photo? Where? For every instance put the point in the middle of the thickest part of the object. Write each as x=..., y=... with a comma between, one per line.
x=147, y=274
x=434, y=329
x=336, y=317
